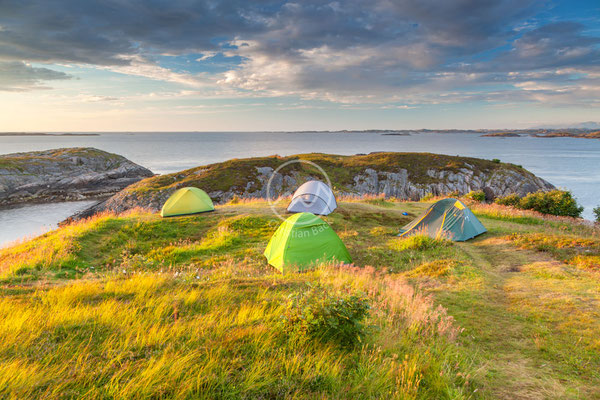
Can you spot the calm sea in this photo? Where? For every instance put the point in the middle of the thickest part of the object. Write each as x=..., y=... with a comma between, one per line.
x=568, y=163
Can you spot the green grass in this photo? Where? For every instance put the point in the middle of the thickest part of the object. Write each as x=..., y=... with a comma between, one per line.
x=142, y=307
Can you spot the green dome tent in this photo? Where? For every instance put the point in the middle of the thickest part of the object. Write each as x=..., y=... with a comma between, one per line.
x=446, y=218
x=188, y=200
x=302, y=241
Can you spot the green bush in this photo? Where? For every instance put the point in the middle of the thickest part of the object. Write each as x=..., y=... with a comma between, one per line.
x=478, y=196
x=554, y=202
x=509, y=200
x=325, y=315
x=597, y=213
x=495, y=160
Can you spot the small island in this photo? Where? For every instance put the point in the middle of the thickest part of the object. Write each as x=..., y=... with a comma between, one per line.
x=501, y=134
x=547, y=133
x=47, y=134
x=580, y=133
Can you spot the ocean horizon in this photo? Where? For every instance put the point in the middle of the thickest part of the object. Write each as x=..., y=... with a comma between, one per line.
x=567, y=163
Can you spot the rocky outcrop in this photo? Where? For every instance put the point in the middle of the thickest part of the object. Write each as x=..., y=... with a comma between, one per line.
x=495, y=184
x=401, y=175
x=65, y=174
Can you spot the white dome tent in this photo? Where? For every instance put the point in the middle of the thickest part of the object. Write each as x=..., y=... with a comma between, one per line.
x=314, y=197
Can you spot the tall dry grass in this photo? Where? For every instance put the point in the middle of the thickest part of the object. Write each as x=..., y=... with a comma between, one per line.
x=177, y=335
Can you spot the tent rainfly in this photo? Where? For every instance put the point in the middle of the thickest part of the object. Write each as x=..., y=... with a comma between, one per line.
x=448, y=218
x=188, y=200
x=302, y=241
x=313, y=197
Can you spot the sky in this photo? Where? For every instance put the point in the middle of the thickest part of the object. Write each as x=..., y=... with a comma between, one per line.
x=253, y=65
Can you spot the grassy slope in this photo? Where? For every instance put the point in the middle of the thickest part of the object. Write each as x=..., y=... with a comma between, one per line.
x=183, y=307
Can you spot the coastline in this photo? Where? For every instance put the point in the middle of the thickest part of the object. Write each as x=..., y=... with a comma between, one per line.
x=578, y=133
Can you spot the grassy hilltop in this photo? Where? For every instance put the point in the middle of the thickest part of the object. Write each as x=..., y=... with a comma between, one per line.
x=340, y=169
x=400, y=175
x=135, y=306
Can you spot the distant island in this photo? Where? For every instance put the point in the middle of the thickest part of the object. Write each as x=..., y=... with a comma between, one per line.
x=502, y=134
x=548, y=133
x=46, y=134
x=583, y=133
x=539, y=133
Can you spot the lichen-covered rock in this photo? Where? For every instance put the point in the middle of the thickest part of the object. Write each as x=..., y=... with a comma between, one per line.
x=65, y=174
x=400, y=175
x=399, y=185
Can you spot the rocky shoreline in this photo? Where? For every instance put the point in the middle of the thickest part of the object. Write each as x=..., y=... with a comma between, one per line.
x=65, y=175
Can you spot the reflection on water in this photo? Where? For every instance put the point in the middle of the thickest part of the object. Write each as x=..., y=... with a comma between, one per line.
x=32, y=220
x=566, y=162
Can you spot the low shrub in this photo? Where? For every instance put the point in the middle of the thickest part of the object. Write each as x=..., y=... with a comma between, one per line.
x=326, y=315
x=477, y=196
x=554, y=202
x=512, y=200
x=496, y=160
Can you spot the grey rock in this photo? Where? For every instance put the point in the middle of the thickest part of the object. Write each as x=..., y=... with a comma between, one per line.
x=65, y=174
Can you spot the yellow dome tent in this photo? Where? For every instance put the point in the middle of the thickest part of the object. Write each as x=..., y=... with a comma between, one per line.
x=188, y=200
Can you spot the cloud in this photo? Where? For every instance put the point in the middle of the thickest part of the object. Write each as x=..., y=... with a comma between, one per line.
x=555, y=45
x=17, y=76
x=413, y=51
x=100, y=32
x=139, y=66
x=406, y=51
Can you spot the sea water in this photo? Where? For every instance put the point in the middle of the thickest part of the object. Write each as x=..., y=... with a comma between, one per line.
x=568, y=163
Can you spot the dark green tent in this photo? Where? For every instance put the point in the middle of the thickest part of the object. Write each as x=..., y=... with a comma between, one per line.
x=448, y=218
